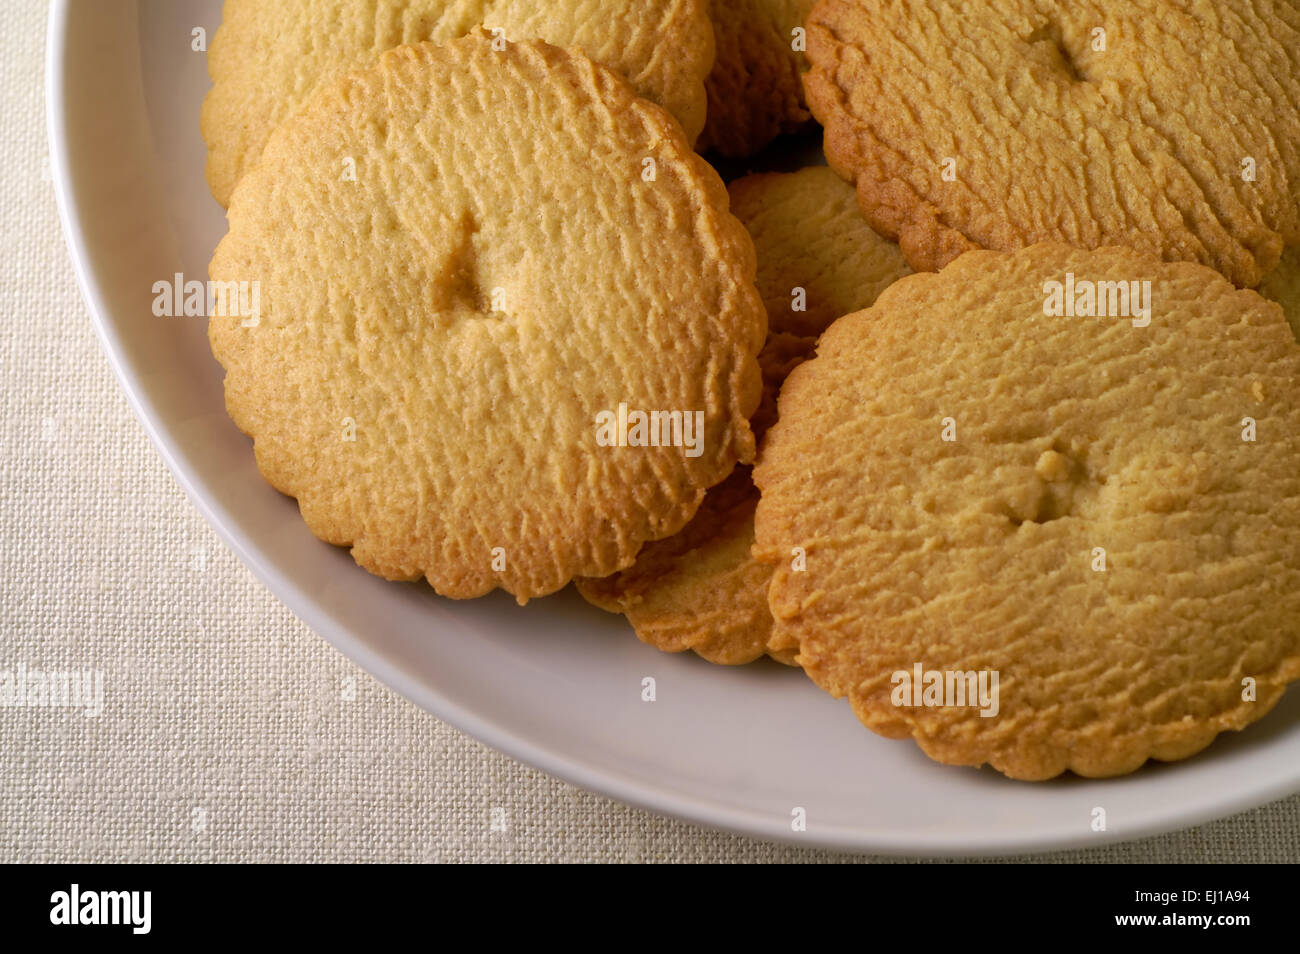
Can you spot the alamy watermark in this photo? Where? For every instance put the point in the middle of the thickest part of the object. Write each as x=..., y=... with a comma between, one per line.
x=211, y=299
x=1083, y=298
x=633, y=428
x=24, y=687
x=939, y=688
x=133, y=909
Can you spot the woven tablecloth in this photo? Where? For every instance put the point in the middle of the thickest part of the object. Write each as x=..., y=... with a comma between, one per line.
x=225, y=734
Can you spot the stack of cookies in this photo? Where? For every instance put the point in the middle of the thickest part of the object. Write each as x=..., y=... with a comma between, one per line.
x=992, y=424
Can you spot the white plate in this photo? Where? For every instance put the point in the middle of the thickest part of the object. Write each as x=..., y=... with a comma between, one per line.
x=556, y=684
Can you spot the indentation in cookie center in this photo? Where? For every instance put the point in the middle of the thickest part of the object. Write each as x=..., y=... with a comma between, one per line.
x=1060, y=487
x=1062, y=480
x=461, y=289
x=1052, y=41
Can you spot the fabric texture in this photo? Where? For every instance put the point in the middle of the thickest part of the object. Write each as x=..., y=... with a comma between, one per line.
x=230, y=731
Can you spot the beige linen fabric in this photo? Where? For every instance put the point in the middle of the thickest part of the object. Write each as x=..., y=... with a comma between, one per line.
x=226, y=735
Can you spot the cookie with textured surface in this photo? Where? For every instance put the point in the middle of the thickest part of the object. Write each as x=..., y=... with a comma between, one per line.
x=1169, y=127
x=268, y=58
x=1100, y=512
x=464, y=265
x=755, y=89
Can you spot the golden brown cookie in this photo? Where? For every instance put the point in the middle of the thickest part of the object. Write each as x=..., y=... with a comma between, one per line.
x=1171, y=126
x=268, y=58
x=755, y=89
x=507, y=326
x=701, y=589
x=1283, y=286
x=818, y=260
x=1103, y=512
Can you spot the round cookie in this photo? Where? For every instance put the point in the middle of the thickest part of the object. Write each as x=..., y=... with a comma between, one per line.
x=470, y=286
x=1103, y=513
x=755, y=89
x=1170, y=126
x=268, y=58
x=1283, y=286
x=701, y=589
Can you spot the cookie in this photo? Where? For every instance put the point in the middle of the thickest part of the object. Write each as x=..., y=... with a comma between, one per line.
x=267, y=59
x=755, y=89
x=1043, y=543
x=1170, y=126
x=701, y=589
x=507, y=327
x=1283, y=286
x=817, y=258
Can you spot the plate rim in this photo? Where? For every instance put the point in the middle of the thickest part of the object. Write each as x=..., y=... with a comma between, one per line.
x=547, y=758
